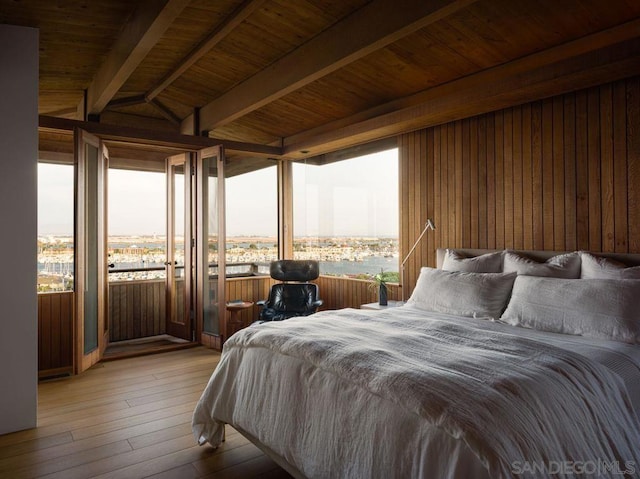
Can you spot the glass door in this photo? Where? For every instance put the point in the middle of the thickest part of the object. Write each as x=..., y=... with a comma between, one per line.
x=210, y=241
x=91, y=290
x=179, y=247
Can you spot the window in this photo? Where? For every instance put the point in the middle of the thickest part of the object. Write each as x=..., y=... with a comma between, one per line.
x=251, y=221
x=346, y=214
x=55, y=227
x=136, y=224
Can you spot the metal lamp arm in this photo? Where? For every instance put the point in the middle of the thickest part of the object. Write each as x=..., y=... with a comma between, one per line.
x=428, y=226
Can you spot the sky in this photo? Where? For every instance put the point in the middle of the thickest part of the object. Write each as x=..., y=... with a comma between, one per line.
x=348, y=198
x=356, y=197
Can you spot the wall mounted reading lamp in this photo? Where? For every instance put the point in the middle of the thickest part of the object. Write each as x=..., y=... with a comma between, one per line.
x=428, y=226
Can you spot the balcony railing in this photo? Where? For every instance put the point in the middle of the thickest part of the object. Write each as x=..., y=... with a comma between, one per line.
x=233, y=270
x=137, y=308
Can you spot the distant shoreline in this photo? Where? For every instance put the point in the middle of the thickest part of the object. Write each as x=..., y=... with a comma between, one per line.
x=239, y=238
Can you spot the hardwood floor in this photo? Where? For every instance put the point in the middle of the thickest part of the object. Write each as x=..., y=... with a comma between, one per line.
x=149, y=345
x=129, y=419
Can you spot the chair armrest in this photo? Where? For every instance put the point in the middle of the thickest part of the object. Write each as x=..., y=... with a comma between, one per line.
x=317, y=303
x=261, y=303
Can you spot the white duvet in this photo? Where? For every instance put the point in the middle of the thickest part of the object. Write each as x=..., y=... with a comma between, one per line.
x=403, y=393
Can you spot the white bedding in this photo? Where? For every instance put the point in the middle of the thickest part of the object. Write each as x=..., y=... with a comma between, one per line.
x=404, y=393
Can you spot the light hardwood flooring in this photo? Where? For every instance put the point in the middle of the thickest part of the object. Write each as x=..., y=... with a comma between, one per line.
x=129, y=419
x=139, y=347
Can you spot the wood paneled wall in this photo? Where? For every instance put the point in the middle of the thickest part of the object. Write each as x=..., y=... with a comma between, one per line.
x=254, y=288
x=335, y=292
x=55, y=333
x=137, y=309
x=338, y=293
x=562, y=173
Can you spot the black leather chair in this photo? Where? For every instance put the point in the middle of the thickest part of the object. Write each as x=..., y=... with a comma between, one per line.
x=295, y=298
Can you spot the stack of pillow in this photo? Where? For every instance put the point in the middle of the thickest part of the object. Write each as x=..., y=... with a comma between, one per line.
x=574, y=293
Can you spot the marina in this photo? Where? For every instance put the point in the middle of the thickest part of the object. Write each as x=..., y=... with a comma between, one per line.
x=143, y=258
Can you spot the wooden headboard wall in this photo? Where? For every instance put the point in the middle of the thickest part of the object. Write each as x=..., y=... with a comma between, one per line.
x=559, y=174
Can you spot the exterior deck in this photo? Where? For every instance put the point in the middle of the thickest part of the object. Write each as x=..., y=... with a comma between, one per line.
x=137, y=309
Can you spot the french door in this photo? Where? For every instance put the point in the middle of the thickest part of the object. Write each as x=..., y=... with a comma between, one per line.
x=210, y=247
x=179, y=264
x=195, y=264
x=91, y=332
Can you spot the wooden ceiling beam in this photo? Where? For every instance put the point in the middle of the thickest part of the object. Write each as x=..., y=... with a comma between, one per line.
x=63, y=112
x=371, y=28
x=139, y=35
x=127, y=101
x=164, y=111
x=240, y=14
x=120, y=158
x=602, y=57
x=156, y=138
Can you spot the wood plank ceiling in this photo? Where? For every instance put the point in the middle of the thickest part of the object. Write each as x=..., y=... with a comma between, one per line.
x=314, y=76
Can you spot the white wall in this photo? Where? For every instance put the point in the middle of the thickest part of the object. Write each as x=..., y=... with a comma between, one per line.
x=18, y=227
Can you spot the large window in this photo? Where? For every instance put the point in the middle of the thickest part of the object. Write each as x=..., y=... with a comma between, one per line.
x=346, y=214
x=55, y=227
x=137, y=224
x=252, y=221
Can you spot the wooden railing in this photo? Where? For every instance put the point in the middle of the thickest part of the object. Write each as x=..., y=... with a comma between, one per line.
x=138, y=309
x=254, y=288
x=338, y=292
x=55, y=333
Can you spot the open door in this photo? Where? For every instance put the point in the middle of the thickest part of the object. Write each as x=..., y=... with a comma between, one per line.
x=210, y=247
x=91, y=287
x=179, y=265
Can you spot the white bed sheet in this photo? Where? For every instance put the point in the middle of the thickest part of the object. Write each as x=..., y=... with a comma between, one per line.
x=325, y=426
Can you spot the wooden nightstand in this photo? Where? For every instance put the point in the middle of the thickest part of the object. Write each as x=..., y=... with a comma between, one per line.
x=235, y=323
x=392, y=304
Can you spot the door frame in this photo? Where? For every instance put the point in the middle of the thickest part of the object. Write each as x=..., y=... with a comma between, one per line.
x=201, y=240
x=181, y=329
x=83, y=360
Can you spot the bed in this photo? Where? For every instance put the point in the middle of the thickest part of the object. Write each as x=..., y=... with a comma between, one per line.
x=501, y=364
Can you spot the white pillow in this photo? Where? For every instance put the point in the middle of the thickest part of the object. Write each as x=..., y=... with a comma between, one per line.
x=597, y=267
x=486, y=263
x=560, y=266
x=596, y=308
x=482, y=295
